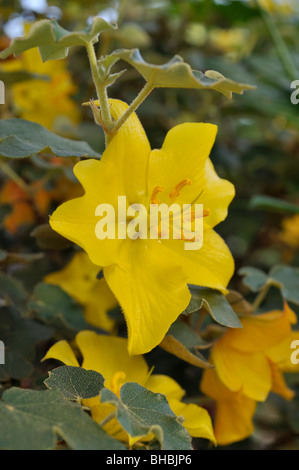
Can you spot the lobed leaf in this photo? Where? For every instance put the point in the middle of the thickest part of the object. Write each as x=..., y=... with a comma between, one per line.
x=75, y=383
x=254, y=278
x=54, y=41
x=286, y=278
x=178, y=74
x=33, y=420
x=142, y=412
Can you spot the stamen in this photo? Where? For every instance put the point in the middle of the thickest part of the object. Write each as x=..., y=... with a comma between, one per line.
x=156, y=191
x=194, y=215
x=186, y=239
x=177, y=190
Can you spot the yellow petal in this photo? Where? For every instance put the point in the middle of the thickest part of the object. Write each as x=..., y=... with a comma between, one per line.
x=216, y=196
x=233, y=420
x=197, y=420
x=99, y=302
x=76, y=278
x=281, y=354
x=279, y=385
x=212, y=386
x=129, y=150
x=164, y=384
x=76, y=218
x=109, y=355
x=234, y=411
x=210, y=266
x=248, y=373
x=62, y=352
x=152, y=292
x=260, y=332
x=183, y=156
x=100, y=412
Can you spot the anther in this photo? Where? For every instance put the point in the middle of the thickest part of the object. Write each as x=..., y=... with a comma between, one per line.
x=177, y=190
x=156, y=191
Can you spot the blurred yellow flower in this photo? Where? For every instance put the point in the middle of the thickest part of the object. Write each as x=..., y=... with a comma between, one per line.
x=290, y=231
x=249, y=363
x=234, y=40
x=47, y=102
x=79, y=279
x=109, y=356
x=149, y=277
x=284, y=7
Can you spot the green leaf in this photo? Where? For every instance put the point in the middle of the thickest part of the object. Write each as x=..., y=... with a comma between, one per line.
x=20, y=139
x=56, y=308
x=216, y=304
x=178, y=74
x=183, y=342
x=273, y=204
x=254, y=278
x=20, y=336
x=32, y=420
x=75, y=383
x=140, y=412
x=287, y=278
x=12, y=291
x=54, y=41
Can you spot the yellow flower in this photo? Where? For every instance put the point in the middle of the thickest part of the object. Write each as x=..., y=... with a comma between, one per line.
x=79, y=279
x=249, y=363
x=234, y=411
x=233, y=40
x=43, y=101
x=149, y=276
x=109, y=356
x=290, y=231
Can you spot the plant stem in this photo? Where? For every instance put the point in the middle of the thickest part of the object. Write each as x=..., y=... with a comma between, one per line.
x=107, y=419
x=14, y=177
x=260, y=297
x=280, y=45
x=133, y=106
x=101, y=91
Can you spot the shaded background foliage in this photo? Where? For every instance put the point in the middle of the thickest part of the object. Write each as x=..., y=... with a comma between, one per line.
x=257, y=148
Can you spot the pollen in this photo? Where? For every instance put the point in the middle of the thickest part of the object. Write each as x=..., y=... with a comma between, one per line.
x=177, y=190
x=156, y=191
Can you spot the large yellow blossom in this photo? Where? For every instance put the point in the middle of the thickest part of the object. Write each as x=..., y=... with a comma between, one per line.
x=249, y=363
x=149, y=277
x=43, y=101
x=79, y=279
x=109, y=356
